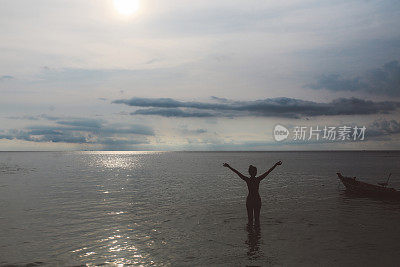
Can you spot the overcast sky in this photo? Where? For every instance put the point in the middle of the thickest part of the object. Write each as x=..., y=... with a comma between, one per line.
x=197, y=75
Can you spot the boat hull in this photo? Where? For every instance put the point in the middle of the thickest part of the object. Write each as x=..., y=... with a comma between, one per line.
x=366, y=189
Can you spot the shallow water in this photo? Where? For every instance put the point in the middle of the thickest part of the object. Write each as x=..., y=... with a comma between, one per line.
x=184, y=208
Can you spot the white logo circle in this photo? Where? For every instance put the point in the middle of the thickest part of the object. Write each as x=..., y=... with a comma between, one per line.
x=280, y=133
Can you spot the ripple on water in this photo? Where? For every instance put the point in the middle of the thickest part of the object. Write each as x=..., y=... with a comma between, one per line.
x=8, y=169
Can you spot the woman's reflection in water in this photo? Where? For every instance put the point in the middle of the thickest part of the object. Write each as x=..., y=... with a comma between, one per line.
x=253, y=241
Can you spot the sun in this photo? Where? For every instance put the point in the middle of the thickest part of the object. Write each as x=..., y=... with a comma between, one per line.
x=126, y=7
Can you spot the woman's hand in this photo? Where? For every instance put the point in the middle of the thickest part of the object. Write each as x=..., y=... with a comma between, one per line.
x=226, y=165
x=278, y=163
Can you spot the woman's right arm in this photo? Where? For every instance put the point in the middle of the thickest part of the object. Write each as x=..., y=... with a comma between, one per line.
x=235, y=171
x=262, y=176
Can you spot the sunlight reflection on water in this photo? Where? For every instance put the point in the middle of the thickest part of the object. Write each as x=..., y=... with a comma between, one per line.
x=118, y=159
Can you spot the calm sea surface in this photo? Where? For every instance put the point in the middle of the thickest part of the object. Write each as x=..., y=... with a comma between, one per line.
x=184, y=208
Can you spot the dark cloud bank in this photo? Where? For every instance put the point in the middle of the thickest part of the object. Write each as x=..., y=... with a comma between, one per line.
x=270, y=107
x=380, y=81
x=99, y=132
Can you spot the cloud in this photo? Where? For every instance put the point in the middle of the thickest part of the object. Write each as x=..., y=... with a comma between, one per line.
x=335, y=82
x=380, y=81
x=121, y=142
x=197, y=131
x=184, y=130
x=89, y=123
x=386, y=79
x=172, y=112
x=81, y=131
x=6, y=77
x=131, y=129
x=25, y=117
x=270, y=107
x=220, y=99
x=383, y=127
x=6, y=136
x=85, y=125
x=49, y=135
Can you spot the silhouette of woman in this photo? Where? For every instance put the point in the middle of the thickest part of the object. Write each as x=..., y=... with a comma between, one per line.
x=253, y=201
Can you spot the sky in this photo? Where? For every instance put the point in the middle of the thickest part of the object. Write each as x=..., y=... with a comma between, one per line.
x=198, y=75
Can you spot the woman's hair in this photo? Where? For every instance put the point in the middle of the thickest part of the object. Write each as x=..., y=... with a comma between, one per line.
x=252, y=170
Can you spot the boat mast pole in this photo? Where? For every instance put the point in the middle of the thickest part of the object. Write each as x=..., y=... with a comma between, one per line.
x=387, y=181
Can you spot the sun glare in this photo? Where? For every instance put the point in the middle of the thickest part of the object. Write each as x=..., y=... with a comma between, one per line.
x=126, y=7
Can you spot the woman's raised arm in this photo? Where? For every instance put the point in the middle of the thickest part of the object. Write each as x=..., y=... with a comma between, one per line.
x=235, y=171
x=262, y=176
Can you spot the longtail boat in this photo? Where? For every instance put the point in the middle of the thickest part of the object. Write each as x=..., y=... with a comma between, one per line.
x=381, y=190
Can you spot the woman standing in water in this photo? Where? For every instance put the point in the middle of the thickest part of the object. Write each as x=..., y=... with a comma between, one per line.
x=253, y=201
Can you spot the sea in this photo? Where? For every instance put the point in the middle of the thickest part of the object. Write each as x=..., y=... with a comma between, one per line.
x=185, y=209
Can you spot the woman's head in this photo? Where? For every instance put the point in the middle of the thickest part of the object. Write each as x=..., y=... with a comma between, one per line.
x=252, y=170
